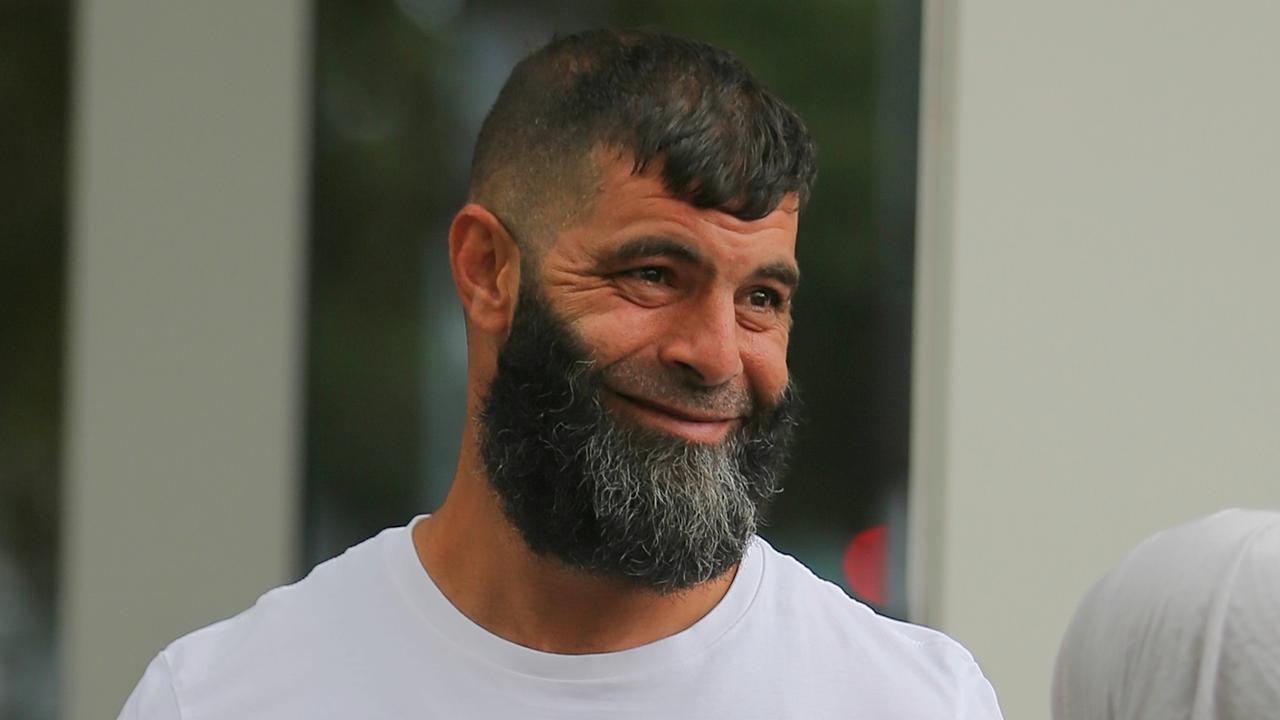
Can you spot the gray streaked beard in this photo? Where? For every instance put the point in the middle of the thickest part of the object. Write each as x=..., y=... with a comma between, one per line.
x=608, y=497
x=690, y=501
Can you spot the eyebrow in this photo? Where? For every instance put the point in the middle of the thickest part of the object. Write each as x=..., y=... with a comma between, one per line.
x=654, y=246
x=784, y=273
x=651, y=246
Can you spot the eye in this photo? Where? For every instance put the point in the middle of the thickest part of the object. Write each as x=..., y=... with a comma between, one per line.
x=652, y=275
x=764, y=298
x=649, y=285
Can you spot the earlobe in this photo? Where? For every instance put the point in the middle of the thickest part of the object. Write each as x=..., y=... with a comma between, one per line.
x=485, y=262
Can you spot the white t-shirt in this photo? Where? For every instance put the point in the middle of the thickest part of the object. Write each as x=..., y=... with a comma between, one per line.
x=369, y=635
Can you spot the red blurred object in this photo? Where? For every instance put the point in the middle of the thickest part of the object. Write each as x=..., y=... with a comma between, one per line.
x=864, y=564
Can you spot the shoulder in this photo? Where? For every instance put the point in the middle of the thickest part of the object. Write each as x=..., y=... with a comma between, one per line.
x=795, y=593
x=284, y=637
x=848, y=638
x=154, y=697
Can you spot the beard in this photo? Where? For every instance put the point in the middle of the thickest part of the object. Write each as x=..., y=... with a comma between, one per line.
x=609, y=497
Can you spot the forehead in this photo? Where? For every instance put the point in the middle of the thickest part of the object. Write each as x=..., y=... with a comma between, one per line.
x=629, y=206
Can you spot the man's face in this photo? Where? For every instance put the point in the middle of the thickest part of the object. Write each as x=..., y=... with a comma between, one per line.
x=640, y=415
x=686, y=311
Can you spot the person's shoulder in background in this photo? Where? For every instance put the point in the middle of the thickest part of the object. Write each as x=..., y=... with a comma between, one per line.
x=1184, y=626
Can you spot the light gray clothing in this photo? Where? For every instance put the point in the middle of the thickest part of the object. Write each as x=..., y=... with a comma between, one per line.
x=1187, y=627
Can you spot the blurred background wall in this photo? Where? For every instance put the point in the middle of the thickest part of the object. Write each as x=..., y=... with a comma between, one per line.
x=185, y=309
x=239, y=208
x=1098, y=329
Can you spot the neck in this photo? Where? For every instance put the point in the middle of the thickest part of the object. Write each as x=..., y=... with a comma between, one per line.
x=484, y=568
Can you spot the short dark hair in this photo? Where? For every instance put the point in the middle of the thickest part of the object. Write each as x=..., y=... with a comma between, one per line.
x=692, y=111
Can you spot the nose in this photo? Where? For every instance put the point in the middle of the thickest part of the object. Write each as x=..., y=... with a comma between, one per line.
x=703, y=342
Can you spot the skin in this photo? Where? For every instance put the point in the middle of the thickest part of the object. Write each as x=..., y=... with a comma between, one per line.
x=654, y=287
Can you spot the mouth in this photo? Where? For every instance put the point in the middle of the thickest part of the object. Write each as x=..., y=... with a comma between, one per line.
x=691, y=425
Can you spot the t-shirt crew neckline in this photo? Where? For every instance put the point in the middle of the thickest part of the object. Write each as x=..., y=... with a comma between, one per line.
x=424, y=596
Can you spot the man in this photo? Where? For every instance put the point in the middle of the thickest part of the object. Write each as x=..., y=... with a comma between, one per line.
x=626, y=263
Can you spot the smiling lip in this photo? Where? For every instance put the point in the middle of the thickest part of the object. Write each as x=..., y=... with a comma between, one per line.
x=689, y=424
x=677, y=413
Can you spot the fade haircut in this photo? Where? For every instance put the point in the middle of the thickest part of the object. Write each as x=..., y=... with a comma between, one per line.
x=691, y=113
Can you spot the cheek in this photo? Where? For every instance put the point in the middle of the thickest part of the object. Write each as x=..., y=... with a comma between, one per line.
x=613, y=336
x=764, y=360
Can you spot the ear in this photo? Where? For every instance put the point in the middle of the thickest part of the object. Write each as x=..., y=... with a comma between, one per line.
x=486, y=268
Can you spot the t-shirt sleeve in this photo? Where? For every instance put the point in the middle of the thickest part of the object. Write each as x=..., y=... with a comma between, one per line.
x=977, y=698
x=154, y=697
